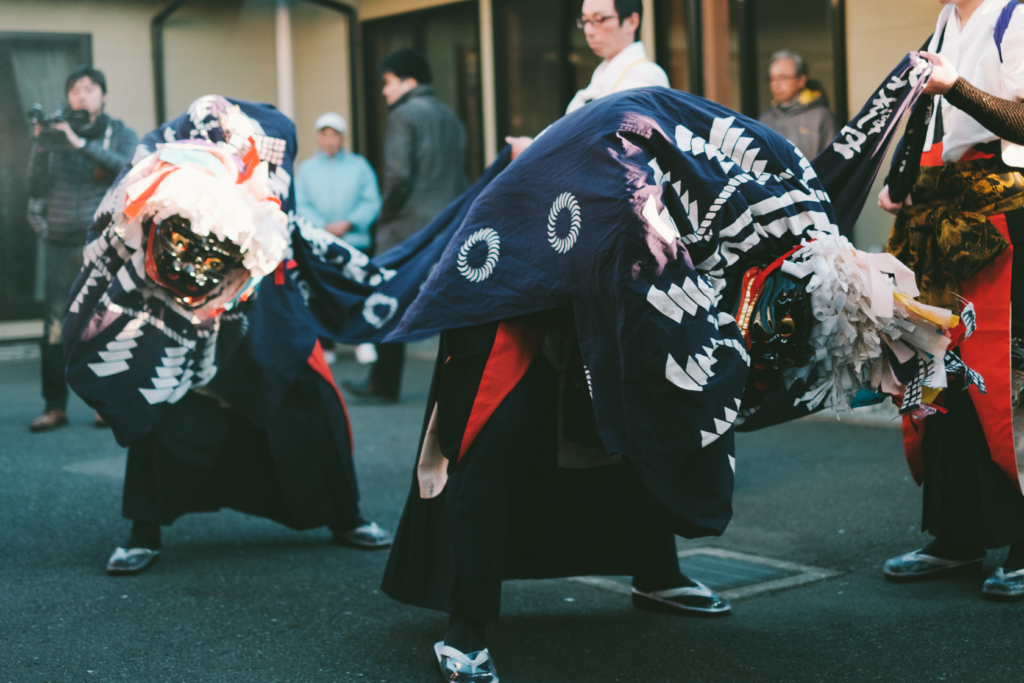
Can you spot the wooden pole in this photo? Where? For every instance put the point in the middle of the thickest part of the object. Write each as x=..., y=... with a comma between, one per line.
x=717, y=82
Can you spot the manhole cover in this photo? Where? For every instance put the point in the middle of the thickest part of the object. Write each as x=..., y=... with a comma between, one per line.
x=725, y=573
x=734, y=575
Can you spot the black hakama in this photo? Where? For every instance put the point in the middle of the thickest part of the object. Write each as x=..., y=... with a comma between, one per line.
x=203, y=456
x=968, y=499
x=512, y=508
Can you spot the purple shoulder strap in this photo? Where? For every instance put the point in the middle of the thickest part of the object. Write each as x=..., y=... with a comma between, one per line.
x=1002, y=24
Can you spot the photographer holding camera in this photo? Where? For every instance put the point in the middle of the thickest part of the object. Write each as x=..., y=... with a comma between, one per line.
x=76, y=157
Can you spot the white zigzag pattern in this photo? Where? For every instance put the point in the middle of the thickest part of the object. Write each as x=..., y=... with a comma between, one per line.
x=720, y=428
x=99, y=272
x=118, y=353
x=172, y=378
x=690, y=298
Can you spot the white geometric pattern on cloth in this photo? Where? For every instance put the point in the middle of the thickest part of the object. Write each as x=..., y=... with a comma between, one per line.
x=355, y=264
x=280, y=183
x=207, y=368
x=563, y=244
x=912, y=395
x=969, y=319
x=146, y=317
x=932, y=372
x=370, y=309
x=690, y=298
x=486, y=236
x=720, y=428
x=98, y=269
x=728, y=145
x=955, y=366
x=697, y=372
x=270, y=149
x=167, y=380
x=119, y=351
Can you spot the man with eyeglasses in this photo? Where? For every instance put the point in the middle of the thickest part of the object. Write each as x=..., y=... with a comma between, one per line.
x=799, y=111
x=611, y=28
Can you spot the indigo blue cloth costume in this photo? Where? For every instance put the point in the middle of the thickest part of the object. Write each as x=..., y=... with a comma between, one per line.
x=591, y=371
x=236, y=410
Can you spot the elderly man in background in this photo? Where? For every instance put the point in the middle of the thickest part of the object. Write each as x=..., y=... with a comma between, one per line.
x=336, y=189
x=424, y=170
x=799, y=110
x=612, y=28
x=73, y=163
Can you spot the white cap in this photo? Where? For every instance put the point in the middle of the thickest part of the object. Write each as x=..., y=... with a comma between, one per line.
x=332, y=120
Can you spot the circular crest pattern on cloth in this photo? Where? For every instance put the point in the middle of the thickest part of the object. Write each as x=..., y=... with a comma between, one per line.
x=370, y=309
x=563, y=244
x=486, y=236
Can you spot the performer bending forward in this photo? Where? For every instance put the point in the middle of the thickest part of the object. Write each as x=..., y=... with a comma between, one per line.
x=959, y=234
x=213, y=379
x=598, y=310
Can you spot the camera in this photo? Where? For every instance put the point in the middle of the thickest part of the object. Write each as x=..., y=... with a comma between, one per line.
x=49, y=137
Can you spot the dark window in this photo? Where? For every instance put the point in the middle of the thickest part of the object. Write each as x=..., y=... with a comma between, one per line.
x=541, y=60
x=813, y=28
x=33, y=67
x=450, y=38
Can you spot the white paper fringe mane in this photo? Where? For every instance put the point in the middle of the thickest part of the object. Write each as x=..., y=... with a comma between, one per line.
x=241, y=213
x=857, y=313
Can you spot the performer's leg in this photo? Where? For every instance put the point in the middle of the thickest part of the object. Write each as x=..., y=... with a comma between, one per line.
x=62, y=266
x=144, y=535
x=464, y=634
x=1015, y=560
x=657, y=564
x=308, y=468
x=969, y=504
x=386, y=374
x=385, y=380
x=483, y=488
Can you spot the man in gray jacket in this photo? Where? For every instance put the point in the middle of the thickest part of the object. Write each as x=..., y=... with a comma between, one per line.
x=68, y=177
x=424, y=170
x=799, y=111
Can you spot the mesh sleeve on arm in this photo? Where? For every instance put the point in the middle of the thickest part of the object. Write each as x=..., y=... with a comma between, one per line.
x=1004, y=118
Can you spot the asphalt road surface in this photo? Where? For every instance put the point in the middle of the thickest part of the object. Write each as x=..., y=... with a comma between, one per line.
x=238, y=599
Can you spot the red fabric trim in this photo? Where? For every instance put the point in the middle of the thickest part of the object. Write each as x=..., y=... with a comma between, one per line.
x=250, y=161
x=755, y=290
x=281, y=267
x=132, y=210
x=933, y=157
x=515, y=346
x=988, y=352
x=913, y=440
x=319, y=365
x=973, y=154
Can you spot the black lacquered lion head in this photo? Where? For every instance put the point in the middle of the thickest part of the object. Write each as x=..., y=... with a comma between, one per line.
x=189, y=265
x=774, y=315
x=780, y=323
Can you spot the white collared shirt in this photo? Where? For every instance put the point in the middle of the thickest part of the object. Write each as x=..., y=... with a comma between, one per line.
x=972, y=50
x=629, y=69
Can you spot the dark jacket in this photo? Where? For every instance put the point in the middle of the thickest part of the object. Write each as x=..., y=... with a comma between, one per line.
x=424, y=165
x=807, y=123
x=68, y=185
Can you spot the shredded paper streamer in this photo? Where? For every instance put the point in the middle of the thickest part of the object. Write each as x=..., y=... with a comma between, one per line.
x=870, y=335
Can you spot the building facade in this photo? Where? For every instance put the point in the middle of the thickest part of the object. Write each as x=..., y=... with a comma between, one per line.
x=506, y=67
